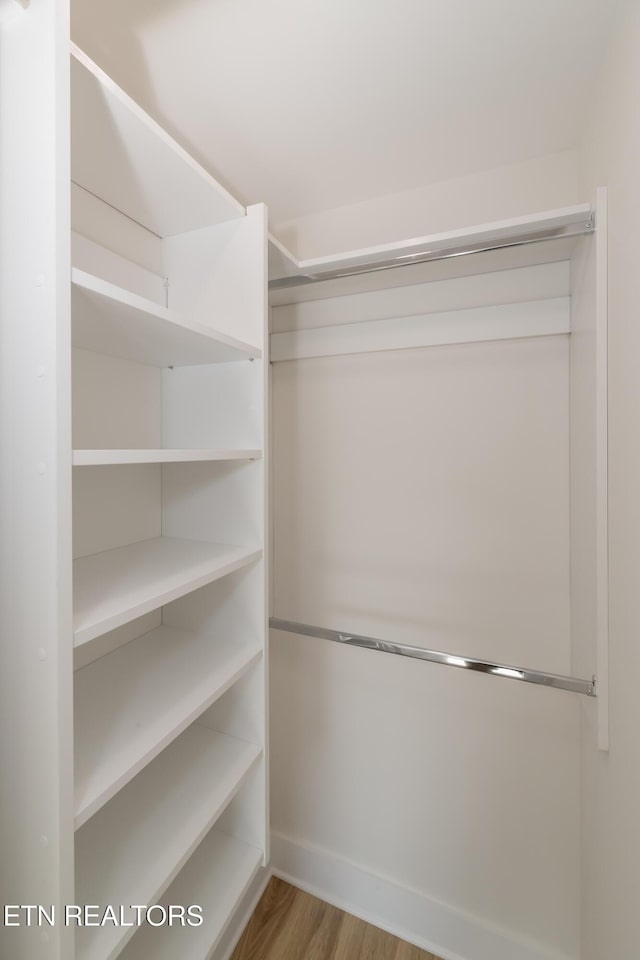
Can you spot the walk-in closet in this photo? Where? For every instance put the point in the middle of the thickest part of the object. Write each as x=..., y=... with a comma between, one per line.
x=318, y=535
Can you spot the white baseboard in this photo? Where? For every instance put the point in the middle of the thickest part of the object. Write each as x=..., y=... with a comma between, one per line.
x=434, y=926
x=242, y=915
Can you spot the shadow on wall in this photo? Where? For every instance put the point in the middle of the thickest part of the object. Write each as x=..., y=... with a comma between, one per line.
x=116, y=34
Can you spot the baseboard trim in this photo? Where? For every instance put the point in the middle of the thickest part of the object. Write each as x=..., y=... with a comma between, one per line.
x=241, y=915
x=434, y=926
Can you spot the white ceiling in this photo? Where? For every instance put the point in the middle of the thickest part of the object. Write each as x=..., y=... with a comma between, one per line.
x=310, y=106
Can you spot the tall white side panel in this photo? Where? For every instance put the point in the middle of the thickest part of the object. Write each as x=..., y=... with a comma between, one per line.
x=583, y=480
x=35, y=509
x=209, y=278
x=218, y=276
x=589, y=469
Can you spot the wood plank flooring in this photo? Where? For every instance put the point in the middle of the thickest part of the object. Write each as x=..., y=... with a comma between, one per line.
x=291, y=925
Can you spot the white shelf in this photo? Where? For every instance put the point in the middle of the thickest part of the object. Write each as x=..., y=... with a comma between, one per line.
x=557, y=227
x=90, y=458
x=134, y=848
x=120, y=154
x=116, y=586
x=130, y=704
x=554, y=222
x=216, y=877
x=111, y=320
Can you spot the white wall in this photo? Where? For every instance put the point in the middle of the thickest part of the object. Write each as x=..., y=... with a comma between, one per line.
x=423, y=495
x=96, y=220
x=611, y=782
x=542, y=184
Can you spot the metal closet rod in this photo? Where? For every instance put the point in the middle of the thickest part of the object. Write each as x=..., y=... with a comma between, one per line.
x=428, y=256
x=555, y=680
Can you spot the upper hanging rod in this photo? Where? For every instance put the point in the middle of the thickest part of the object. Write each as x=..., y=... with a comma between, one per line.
x=556, y=680
x=576, y=229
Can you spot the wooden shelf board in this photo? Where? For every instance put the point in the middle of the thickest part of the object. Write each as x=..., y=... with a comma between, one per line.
x=120, y=154
x=216, y=877
x=111, y=320
x=508, y=258
x=130, y=704
x=499, y=231
x=88, y=458
x=556, y=226
x=116, y=586
x=134, y=848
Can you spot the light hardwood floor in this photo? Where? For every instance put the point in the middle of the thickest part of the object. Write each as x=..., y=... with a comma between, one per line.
x=291, y=925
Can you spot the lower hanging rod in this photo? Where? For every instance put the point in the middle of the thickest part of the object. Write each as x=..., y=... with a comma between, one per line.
x=555, y=680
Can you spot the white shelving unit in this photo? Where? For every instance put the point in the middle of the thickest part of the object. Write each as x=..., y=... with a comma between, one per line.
x=146, y=430
x=188, y=787
x=113, y=321
x=131, y=704
x=169, y=578
x=216, y=890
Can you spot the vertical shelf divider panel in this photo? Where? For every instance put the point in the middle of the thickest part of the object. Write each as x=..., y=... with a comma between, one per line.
x=219, y=276
x=35, y=499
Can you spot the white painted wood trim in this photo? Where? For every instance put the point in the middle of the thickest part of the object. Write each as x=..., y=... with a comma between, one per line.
x=260, y=214
x=503, y=322
x=409, y=914
x=88, y=458
x=602, y=467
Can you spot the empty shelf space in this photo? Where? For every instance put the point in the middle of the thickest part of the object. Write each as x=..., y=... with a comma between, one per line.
x=120, y=154
x=111, y=320
x=116, y=586
x=216, y=878
x=90, y=458
x=131, y=703
x=132, y=850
